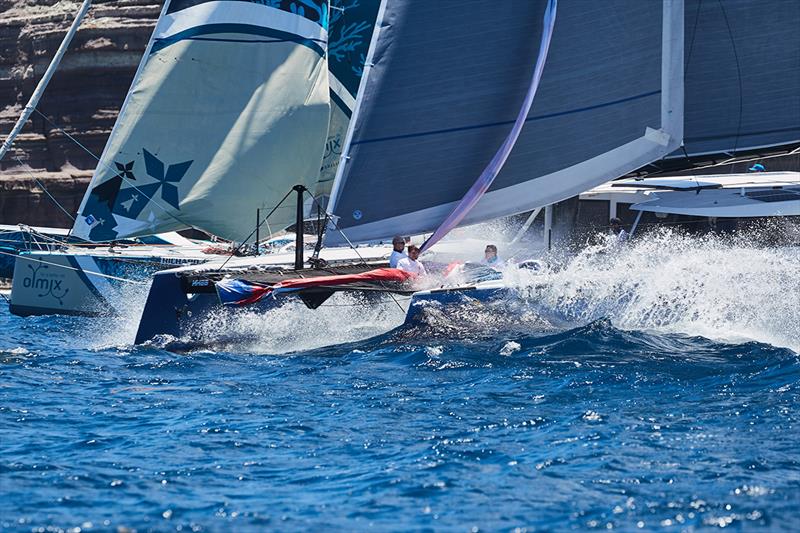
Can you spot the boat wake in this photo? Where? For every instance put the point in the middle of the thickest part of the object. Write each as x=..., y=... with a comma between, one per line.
x=727, y=289
x=344, y=318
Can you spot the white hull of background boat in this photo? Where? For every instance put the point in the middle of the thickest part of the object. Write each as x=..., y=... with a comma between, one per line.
x=82, y=282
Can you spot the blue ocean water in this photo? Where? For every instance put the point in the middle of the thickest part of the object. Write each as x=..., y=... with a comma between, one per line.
x=480, y=423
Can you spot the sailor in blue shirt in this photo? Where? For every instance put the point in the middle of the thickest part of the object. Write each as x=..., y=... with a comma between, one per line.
x=490, y=257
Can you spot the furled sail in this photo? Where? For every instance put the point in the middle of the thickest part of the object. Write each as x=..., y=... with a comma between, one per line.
x=229, y=109
x=432, y=112
x=349, y=33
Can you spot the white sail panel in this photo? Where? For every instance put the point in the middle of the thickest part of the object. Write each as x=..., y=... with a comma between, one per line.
x=228, y=111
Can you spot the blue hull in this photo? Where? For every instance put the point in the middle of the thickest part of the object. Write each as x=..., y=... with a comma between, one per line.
x=179, y=311
x=453, y=297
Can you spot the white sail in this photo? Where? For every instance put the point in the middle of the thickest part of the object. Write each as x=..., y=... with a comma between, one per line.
x=229, y=109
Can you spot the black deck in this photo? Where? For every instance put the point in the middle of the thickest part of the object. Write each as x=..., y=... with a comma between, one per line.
x=203, y=282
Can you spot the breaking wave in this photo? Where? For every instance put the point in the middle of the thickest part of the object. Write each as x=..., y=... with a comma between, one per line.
x=730, y=289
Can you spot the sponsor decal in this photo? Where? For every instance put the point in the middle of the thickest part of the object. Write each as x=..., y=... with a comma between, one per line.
x=333, y=147
x=46, y=283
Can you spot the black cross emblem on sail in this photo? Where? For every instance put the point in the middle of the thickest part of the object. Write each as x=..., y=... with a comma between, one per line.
x=132, y=200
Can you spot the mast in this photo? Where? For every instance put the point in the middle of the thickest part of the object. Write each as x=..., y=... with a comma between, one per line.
x=37, y=94
x=258, y=225
x=298, y=228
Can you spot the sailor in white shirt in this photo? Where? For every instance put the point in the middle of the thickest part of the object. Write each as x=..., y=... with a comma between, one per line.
x=398, y=243
x=410, y=263
x=616, y=229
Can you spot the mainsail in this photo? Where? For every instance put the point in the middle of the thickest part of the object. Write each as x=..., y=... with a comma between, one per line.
x=487, y=177
x=432, y=112
x=229, y=109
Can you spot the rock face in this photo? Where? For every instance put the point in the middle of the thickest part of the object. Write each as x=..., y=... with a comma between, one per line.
x=82, y=99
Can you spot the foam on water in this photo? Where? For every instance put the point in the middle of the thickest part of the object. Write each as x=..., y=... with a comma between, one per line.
x=538, y=425
x=727, y=289
x=118, y=329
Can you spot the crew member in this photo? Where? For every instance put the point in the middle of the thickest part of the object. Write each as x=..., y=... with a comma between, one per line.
x=616, y=229
x=398, y=243
x=490, y=257
x=411, y=263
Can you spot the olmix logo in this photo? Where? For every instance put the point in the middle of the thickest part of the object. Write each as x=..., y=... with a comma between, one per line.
x=46, y=283
x=333, y=146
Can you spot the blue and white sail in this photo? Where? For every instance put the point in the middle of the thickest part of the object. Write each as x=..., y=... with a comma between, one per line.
x=349, y=33
x=228, y=110
x=443, y=86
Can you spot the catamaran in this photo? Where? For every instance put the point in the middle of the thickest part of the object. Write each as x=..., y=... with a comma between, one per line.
x=460, y=116
x=437, y=142
x=269, y=123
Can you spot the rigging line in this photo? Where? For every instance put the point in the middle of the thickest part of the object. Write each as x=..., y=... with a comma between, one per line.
x=24, y=228
x=364, y=304
x=739, y=76
x=320, y=230
x=108, y=167
x=362, y=259
x=70, y=137
x=686, y=67
x=320, y=227
x=16, y=241
x=39, y=239
x=39, y=183
x=88, y=272
x=236, y=250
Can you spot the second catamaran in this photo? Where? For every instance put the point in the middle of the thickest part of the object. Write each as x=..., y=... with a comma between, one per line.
x=233, y=104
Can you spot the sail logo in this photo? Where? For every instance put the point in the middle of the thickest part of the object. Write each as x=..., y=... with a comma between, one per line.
x=334, y=146
x=45, y=282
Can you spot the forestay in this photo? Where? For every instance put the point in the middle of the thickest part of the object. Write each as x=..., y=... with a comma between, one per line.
x=228, y=110
x=443, y=86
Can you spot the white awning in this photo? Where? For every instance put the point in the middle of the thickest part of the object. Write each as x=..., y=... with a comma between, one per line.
x=726, y=203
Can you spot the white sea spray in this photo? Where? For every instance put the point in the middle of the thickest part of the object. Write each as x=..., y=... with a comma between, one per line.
x=731, y=289
x=293, y=327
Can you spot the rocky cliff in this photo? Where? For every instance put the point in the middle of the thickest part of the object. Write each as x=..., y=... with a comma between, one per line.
x=82, y=100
